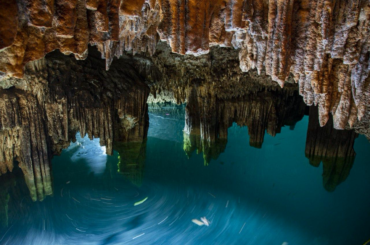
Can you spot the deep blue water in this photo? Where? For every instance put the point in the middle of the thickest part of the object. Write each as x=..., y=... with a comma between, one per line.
x=270, y=195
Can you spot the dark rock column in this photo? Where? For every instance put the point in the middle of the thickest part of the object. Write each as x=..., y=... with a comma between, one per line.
x=332, y=147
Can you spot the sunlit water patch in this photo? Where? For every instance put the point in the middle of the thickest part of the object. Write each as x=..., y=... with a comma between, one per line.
x=247, y=196
x=90, y=152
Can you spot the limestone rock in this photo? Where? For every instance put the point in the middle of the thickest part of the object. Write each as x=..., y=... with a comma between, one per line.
x=208, y=117
x=322, y=45
x=8, y=22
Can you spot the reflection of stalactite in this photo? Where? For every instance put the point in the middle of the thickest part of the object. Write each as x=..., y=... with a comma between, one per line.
x=208, y=117
x=201, y=131
x=7, y=182
x=4, y=201
x=132, y=160
x=332, y=147
x=59, y=97
x=210, y=150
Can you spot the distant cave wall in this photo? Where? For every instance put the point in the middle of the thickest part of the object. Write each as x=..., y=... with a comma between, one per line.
x=59, y=96
x=323, y=45
x=334, y=148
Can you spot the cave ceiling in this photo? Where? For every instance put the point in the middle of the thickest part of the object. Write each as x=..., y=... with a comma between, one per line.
x=323, y=46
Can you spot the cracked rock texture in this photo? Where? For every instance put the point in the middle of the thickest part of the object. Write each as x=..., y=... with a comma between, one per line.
x=323, y=45
x=59, y=96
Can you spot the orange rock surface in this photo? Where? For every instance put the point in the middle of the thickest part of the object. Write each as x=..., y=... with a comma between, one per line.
x=324, y=44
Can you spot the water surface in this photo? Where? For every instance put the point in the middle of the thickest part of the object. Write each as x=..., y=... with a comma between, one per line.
x=270, y=195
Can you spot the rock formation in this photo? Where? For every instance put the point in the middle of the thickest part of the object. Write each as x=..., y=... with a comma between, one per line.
x=334, y=148
x=173, y=75
x=208, y=53
x=59, y=96
x=208, y=117
x=323, y=45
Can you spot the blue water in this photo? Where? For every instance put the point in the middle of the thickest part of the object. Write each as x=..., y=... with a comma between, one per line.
x=270, y=195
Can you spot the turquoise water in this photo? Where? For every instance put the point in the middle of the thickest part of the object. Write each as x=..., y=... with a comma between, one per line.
x=270, y=195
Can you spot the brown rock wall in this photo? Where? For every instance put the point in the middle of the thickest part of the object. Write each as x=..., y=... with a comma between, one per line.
x=323, y=44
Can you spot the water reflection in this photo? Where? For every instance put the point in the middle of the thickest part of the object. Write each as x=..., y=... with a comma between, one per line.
x=6, y=184
x=208, y=118
x=149, y=192
x=334, y=148
x=90, y=151
x=323, y=144
x=131, y=160
x=167, y=121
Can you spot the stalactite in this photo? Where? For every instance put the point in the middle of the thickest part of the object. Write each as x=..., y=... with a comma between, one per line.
x=68, y=96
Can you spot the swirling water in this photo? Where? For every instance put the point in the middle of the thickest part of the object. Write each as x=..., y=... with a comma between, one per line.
x=250, y=196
